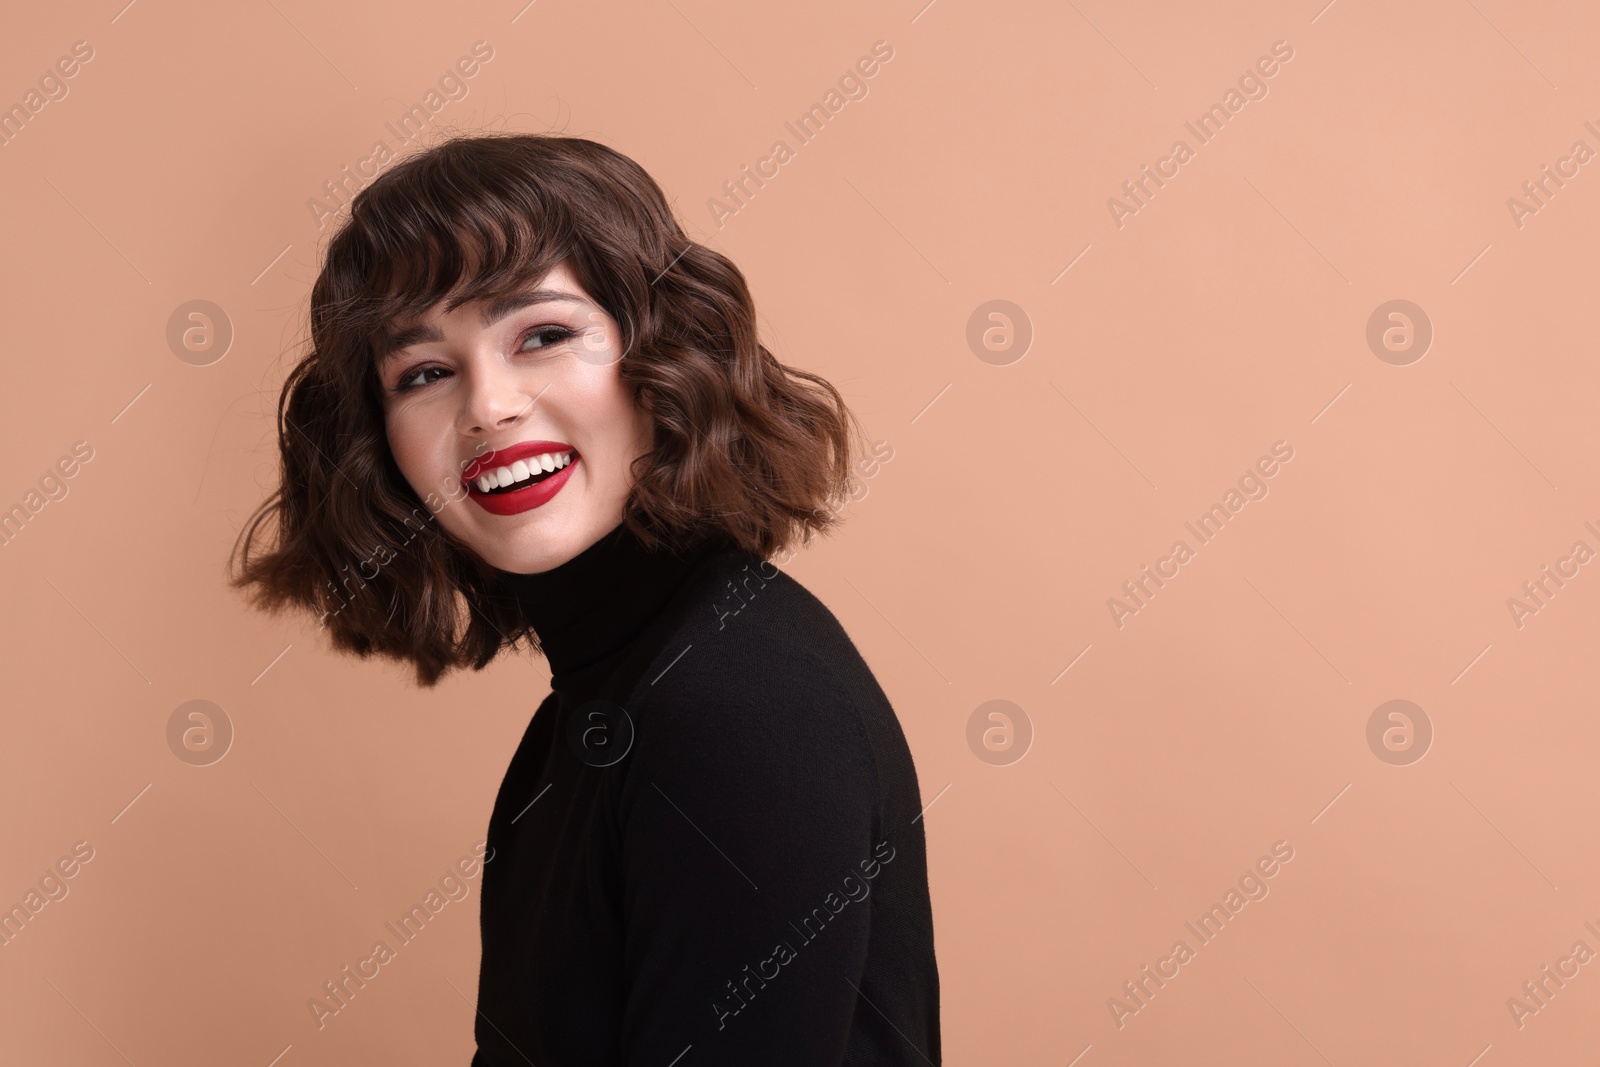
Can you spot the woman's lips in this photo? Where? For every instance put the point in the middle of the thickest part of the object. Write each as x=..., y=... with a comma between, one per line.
x=504, y=457
x=534, y=495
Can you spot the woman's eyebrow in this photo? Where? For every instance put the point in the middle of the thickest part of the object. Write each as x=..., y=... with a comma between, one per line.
x=499, y=308
x=493, y=312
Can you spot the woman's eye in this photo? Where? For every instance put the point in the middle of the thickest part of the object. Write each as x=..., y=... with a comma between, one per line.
x=547, y=336
x=417, y=378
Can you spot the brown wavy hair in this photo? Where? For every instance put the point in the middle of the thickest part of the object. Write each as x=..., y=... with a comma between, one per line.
x=743, y=446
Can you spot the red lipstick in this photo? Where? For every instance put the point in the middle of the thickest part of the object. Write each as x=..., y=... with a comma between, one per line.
x=529, y=497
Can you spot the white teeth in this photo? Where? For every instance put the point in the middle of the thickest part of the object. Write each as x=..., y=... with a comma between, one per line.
x=522, y=470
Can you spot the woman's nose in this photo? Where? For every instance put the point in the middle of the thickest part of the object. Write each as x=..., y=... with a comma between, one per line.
x=496, y=394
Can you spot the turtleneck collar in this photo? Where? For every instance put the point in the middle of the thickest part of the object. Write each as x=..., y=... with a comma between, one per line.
x=591, y=606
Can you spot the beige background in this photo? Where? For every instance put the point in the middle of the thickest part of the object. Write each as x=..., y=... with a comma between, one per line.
x=1228, y=313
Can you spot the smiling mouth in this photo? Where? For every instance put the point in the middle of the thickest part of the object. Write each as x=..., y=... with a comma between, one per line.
x=517, y=476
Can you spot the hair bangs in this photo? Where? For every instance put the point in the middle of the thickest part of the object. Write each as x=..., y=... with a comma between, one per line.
x=463, y=239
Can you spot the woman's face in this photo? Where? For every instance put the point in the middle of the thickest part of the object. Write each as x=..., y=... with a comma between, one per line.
x=475, y=398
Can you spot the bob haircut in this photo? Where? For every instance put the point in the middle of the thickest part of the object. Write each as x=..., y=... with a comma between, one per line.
x=743, y=447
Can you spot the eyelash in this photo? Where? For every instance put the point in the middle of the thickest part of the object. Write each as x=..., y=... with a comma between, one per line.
x=554, y=335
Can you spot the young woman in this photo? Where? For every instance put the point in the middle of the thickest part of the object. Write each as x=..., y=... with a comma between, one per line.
x=535, y=413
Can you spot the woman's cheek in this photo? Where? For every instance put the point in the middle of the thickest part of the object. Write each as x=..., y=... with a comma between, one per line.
x=403, y=433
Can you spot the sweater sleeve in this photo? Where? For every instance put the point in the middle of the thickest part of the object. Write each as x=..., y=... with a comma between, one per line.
x=747, y=817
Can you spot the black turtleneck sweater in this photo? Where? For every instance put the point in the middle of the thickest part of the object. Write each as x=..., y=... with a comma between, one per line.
x=707, y=849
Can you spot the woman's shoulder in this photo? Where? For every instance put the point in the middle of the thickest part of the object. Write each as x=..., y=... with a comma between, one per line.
x=742, y=603
x=754, y=659
x=755, y=677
